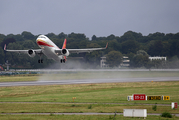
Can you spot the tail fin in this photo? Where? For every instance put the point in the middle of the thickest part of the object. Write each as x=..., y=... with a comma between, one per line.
x=64, y=44
x=106, y=45
x=64, y=47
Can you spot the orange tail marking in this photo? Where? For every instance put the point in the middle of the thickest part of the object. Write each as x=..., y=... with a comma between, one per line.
x=64, y=47
x=64, y=44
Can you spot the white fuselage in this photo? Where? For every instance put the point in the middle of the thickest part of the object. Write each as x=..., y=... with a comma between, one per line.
x=48, y=48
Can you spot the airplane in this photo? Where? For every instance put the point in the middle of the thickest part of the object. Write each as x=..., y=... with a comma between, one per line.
x=49, y=49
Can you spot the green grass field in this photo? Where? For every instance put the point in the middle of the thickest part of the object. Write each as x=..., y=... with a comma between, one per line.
x=78, y=117
x=89, y=97
x=18, y=78
x=90, y=93
x=76, y=108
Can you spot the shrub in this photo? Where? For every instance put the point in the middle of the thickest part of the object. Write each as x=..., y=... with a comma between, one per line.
x=73, y=105
x=51, y=114
x=110, y=117
x=90, y=106
x=166, y=114
x=154, y=107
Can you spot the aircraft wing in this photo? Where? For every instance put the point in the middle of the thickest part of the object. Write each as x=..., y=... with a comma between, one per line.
x=37, y=51
x=81, y=50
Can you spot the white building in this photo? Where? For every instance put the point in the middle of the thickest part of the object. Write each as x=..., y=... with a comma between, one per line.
x=158, y=58
x=125, y=62
x=103, y=63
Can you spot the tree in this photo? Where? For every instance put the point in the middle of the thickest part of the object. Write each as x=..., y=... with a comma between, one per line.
x=94, y=37
x=51, y=35
x=130, y=35
x=114, y=58
x=2, y=56
x=114, y=45
x=154, y=44
x=141, y=59
x=155, y=48
x=62, y=36
x=130, y=46
x=27, y=35
x=7, y=41
x=28, y=44
x=111, y=37
x=142, y=52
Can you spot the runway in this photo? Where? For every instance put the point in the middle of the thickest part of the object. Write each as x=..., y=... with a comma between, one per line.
x=88, y=81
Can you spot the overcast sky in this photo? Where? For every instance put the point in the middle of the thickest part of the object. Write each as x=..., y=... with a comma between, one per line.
x=91, y=17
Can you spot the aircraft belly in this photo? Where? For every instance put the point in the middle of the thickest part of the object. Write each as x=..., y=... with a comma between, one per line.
x=49, y=52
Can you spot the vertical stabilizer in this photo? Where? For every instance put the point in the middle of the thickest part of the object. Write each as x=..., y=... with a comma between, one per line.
x=64, y=44
x=64, y=47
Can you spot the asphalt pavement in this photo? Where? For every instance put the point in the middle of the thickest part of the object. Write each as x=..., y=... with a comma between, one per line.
x=88, y=81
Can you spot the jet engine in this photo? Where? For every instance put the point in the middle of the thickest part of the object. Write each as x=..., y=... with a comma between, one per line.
x=65, y=52
x=31, y=53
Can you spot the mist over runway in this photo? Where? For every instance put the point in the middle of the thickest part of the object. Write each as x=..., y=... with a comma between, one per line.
x=92, y=76
x=88, y=81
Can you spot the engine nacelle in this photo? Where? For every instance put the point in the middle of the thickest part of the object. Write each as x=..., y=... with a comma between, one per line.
x=65, y=52
x=31, y=53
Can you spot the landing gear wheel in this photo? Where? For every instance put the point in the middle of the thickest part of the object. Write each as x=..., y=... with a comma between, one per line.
x=40, y=61
x=64, y=60
x=61, y=60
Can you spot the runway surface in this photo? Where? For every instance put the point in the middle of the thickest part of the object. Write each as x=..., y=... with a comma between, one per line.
x=88, y=81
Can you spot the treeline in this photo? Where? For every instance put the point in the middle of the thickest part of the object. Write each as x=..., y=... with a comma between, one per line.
x=134, y=45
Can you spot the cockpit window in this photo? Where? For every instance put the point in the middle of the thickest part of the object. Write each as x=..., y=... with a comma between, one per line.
x=42, y=37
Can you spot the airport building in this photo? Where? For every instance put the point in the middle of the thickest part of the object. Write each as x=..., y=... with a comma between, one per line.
x=125, y=62
x=158, y=58
x=103, y=63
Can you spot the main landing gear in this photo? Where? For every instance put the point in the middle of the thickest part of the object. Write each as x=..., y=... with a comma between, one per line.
x=40, y=61
x=63, y=60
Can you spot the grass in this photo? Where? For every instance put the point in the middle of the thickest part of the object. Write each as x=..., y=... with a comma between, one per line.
x=78, y=108
x=90, y=93
x=77, y=117
x=86, y=93
x=95, y=95
x=13, y=78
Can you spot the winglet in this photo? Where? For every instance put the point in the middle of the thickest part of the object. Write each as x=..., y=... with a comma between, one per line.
x=106, y=45
x=5, y=47
x=64, y=44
